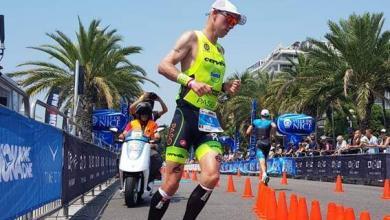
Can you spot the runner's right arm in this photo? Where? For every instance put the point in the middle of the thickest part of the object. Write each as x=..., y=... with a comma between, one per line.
x=181, y=51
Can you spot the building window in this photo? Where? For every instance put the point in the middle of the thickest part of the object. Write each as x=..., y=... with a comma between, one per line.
x=285, y=67
x=4, y=97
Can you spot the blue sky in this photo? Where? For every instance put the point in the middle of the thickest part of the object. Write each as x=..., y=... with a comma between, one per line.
x=155, y=26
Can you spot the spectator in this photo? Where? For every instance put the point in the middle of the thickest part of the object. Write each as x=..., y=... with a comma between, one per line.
x=278, y=150
x=272, y=151
x=327, y=148
x=237, y=156
x=341, y=145
x=312, y=142
x=312, y=147
x=301, y=152
x=351, y=135
x=225, y=157
x=372, y=143
x=358, y=142
x=385, y=141
x=289, y=151
x=231, y=156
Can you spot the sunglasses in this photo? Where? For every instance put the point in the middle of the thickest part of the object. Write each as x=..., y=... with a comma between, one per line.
x=231, y=19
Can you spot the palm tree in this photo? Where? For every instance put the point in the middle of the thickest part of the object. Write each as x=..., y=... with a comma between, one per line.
x=109, y=75
x=359, y=49
x=235, y=113
x=303, y=88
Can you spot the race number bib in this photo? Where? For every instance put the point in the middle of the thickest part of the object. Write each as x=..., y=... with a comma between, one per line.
x=208, y=121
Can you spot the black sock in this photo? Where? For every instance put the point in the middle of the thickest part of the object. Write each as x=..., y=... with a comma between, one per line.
x=196, y=202
x=158, y=206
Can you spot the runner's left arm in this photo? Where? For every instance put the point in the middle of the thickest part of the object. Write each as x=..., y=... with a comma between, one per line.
x=232, y=87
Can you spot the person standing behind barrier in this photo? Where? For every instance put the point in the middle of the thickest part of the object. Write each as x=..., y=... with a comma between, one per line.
x=265, y=131
x=385, y=141
x=358, y=143
x=341, y=145
x=201, y=78
x=372, y=142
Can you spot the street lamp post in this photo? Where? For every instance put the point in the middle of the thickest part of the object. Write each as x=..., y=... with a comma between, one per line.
x=333, y=128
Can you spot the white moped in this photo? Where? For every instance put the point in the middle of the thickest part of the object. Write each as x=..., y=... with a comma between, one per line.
x=134, y=163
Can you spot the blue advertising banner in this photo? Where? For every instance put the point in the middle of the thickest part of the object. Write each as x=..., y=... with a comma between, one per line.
x=275, y=166
x=30, y=164
x=281, y=164
x=295, y=124
x=103, y=137
x=124, y=109
x=106, y=119
x=294, y=139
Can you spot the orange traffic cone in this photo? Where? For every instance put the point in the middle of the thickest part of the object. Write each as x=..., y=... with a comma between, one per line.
x=302, y=209
x=292, y=212
x=194, y=176
x=332, y=211
x=238, y=172
x=349, y=214
x=365, y=215
x=272, y=206
x=187, y=176
x=315, y=212
x=283, y=181
x=230, y=184
x=386, y=189
x=282, y=207
x=264, y=203
x=259, y=199
x=247, y=189
x=387, y=217
x=339, y=184
x=340, y=212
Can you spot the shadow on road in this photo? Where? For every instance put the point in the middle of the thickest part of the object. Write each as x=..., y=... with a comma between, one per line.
x=94, y=208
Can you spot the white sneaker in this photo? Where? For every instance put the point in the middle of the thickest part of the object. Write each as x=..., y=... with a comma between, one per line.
x=121, y=192
x=265, y=179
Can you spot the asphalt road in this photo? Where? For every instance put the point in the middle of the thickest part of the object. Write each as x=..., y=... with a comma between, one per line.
x=224, y=205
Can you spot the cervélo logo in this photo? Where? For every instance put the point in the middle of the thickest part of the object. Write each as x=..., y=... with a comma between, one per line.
x=220, y=63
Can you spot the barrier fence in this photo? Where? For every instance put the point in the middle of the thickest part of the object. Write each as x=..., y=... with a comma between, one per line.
x=368, y=168
x=39, y=162
x=85, y=166
x=364, y=168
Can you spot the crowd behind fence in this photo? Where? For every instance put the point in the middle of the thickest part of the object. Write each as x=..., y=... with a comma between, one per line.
x=356, y=143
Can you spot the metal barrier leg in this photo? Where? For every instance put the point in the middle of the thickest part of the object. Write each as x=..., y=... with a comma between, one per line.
x=100, y=187
x=93, y=192
x=66, y=211
x=82, y=199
